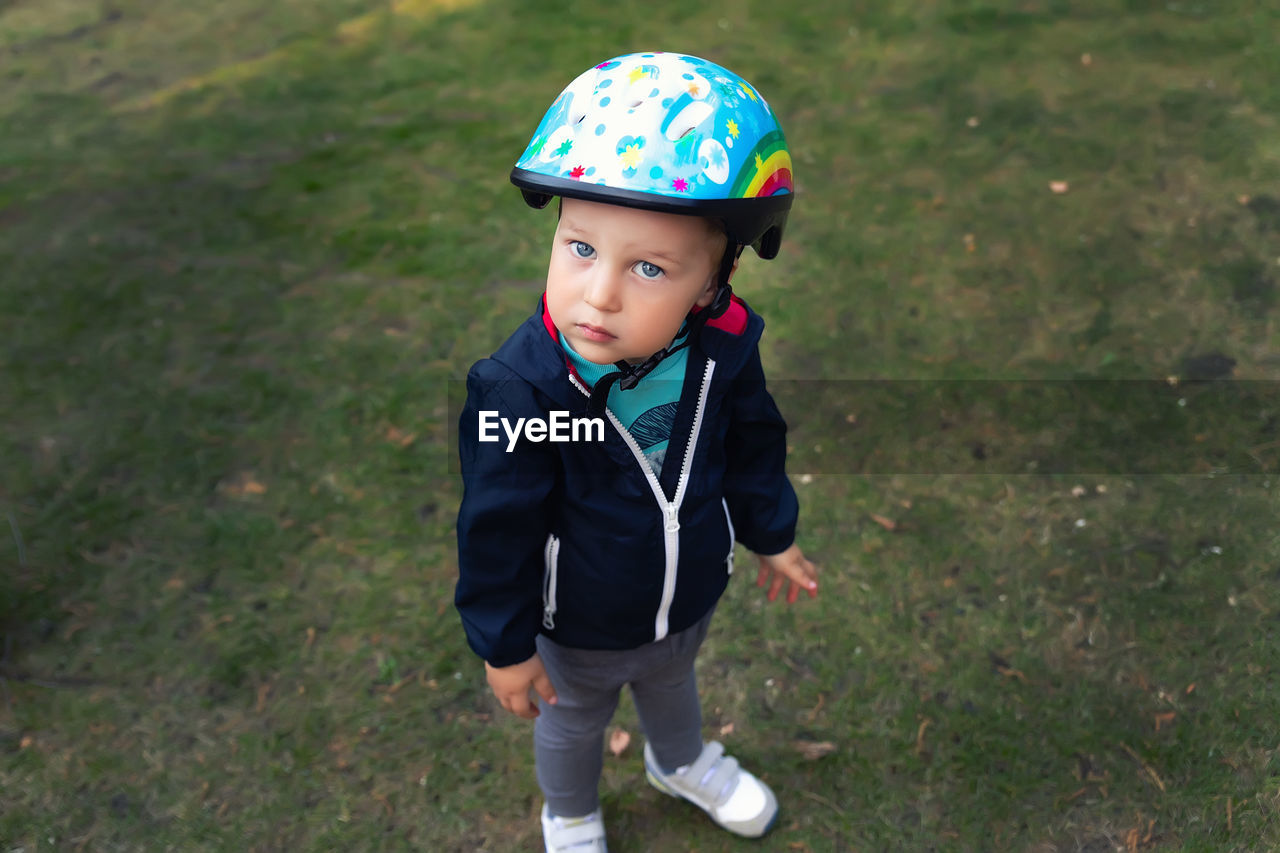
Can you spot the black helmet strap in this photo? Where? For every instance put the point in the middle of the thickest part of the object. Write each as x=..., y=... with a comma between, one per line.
x=628, y=375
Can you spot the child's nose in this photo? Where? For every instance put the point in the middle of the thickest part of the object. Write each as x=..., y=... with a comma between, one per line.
x=604, y=289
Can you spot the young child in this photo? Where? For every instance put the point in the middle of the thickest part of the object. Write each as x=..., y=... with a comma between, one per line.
x=593, y=558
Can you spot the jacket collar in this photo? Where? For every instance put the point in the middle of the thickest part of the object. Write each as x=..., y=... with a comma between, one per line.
x=534, y=353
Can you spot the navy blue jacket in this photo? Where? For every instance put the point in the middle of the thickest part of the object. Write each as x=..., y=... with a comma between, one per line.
x=580, y=540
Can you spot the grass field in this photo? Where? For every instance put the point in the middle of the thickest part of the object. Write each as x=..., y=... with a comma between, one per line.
x=246, y=248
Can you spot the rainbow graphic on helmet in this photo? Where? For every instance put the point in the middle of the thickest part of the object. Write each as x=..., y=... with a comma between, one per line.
x=767, y=170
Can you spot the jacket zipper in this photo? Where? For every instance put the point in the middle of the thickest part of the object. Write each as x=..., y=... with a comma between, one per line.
x=728, y=560
x=551, y=560
x=670, y=509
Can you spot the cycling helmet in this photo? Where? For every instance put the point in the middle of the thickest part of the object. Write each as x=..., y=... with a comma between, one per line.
x=666, y=132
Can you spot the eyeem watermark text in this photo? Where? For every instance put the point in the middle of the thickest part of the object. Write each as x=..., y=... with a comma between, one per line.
x=558, y=426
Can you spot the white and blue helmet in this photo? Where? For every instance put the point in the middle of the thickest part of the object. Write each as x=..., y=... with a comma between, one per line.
x=667, y=132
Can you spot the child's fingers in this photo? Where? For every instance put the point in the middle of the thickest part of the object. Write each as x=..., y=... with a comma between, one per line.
x=544, y=689
x=776, y=587
x=811, y=574
x=802, y=573
x=521, y=705
x=795, y=574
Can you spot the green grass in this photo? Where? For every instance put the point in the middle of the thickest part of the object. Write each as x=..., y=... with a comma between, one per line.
x=247, y=247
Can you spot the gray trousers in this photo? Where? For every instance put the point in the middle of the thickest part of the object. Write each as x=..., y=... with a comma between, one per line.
x=568, y=737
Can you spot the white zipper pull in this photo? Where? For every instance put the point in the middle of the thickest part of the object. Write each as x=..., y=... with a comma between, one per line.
x=673, y=518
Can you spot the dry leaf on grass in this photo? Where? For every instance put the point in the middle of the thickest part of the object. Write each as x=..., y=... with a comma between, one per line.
x=397, y=436
x=619, y=740
x=244, y=484
x=1059, y=187
x=1155, y=777
x=814, y=749
x=886, y=523
x=924, y=724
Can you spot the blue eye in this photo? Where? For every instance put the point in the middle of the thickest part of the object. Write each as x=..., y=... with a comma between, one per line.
x=647, y=270
x=581, y=249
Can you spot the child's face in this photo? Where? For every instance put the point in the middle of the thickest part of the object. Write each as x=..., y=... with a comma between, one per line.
x=621, y=280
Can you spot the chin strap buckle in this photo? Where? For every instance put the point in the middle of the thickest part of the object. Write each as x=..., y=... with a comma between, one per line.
x=627, y=376
x=632, y=374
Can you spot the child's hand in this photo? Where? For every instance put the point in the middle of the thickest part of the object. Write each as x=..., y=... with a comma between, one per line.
x=790, y=565
x=511, y=685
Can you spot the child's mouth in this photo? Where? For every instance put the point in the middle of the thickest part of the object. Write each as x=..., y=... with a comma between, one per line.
x=594, y=333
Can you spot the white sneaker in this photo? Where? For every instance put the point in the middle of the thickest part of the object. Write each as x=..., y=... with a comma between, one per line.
x=715, y=783
x=573, y=834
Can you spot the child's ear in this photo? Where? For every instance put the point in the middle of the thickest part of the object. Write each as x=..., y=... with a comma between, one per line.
x=708, y=295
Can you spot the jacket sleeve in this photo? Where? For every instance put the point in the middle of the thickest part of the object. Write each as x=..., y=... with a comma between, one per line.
x=761, y=501
x=503, y=520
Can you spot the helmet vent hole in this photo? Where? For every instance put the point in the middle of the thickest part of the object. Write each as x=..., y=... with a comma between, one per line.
x=686, y=132
x=635, y=104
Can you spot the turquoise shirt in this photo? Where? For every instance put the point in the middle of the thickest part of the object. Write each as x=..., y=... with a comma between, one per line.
x=647, y=410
